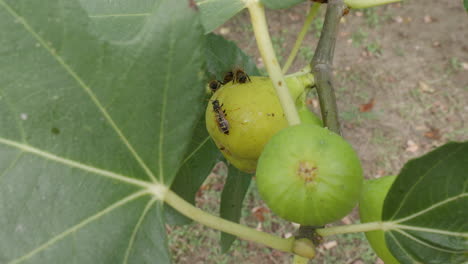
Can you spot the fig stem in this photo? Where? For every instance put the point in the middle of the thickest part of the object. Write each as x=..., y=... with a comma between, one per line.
x=344, y=229
x=314, y=8
x=226, y=226
x=321, y=68
x=321, y=65
x=265, y=46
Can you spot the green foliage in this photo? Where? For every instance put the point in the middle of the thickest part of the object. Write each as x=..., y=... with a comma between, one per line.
x=89, y=120
x=232, y=198
x=280, y=4
x=100, y=100
x=428, y=200
x=215, y=12
x=465, y=2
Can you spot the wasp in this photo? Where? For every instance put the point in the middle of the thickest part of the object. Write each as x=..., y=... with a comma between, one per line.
x=221, y=120
x=236, y=75
x=214, y=85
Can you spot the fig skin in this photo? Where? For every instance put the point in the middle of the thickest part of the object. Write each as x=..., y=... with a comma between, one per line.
x=370, y=209
x=309, y=175
x=254, y=114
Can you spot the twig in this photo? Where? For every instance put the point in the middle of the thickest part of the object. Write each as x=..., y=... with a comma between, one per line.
x=322, y=69
x=305, y=27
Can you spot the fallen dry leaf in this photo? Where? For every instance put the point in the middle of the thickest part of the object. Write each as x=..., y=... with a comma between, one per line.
x=465, y=65
x=224, y=31
x=367, y=107
x=346, y=220
x=398, y=19
x=330, y=244
x=411, y=146
x=433, y=133
x=258, y=212
x=424, y=87
x=428, y=19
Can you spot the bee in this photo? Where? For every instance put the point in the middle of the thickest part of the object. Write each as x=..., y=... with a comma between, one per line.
x=240, y=76
x=346, y=11
x=236, y=75
x=214, y=85
x=221, y=120
x=228, y=76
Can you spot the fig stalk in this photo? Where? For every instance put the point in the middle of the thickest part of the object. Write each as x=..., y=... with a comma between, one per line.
x=265, y=46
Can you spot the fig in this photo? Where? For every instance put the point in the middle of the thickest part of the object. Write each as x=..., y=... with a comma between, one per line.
x=370, y=209
x=309, y=175
x=242, y=117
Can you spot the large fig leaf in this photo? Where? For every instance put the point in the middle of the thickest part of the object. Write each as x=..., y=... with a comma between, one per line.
x=90, y=118
x=216, y=12
x=427, y=207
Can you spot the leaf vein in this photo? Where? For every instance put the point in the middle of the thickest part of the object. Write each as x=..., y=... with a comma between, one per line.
x=119, y=15
x=135, y=229
x=420, y=180
x=83, y=85
x=409, y=236
x=401, y=247
x=432, y=207
x=78, y=226
x=431, y=230
x=75, y=164
x=164, y=105
x=12, y=164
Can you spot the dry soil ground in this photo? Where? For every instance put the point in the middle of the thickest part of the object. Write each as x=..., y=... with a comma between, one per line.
x=401, y=75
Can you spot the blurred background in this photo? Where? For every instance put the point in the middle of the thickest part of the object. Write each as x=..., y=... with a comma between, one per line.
x=401, y=81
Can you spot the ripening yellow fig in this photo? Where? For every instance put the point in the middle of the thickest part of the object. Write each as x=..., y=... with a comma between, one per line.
x=242, y=117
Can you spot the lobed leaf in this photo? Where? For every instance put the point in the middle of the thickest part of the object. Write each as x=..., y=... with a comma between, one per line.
x=214, y=13
x=91, y=115
x=427, y=203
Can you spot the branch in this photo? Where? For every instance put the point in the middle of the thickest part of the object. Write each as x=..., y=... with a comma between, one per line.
x=314, y=8
x=322, y=65
x=322, y=70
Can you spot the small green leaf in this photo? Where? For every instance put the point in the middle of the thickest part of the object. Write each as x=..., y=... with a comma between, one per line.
x=280, y=4
x=222, y=55
x=201, y=156
x=232, y=198
x=465, y=2
x=88, y=122
x=214, y=13
x=428, y=204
